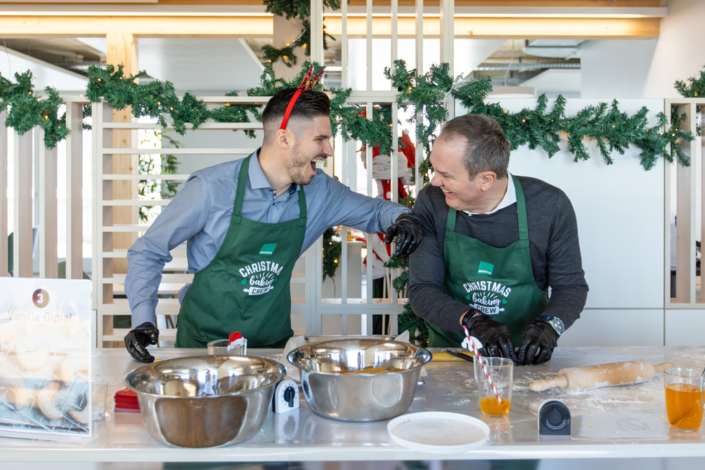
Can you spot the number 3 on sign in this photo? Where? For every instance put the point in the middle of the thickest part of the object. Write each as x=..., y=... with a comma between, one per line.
x=40, y=297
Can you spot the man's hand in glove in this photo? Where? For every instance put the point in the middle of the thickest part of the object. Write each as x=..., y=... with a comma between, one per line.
x=494, y=336
x=539, y=340
x=407, y=230
x=137, y=340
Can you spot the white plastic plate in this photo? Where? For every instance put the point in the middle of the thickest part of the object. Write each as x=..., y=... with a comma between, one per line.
x=438, y=432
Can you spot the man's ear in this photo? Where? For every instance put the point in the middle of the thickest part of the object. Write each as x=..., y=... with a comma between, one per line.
x=284, y=139
x=487, y=179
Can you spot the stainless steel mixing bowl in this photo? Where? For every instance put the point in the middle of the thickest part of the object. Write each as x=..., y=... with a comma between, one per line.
x=205, y=401
x=332, y=393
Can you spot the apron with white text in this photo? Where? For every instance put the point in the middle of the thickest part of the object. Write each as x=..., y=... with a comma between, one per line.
x=245, y=287
x=496, y=281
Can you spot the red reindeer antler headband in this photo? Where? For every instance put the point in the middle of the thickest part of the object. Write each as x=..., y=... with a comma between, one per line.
x=307, y=83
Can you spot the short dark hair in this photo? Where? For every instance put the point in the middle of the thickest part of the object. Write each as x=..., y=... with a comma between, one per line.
x=309, y=105
x=487, y=147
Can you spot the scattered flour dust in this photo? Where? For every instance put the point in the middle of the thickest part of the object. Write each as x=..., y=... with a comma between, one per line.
x=644, y=397
x=438, y=432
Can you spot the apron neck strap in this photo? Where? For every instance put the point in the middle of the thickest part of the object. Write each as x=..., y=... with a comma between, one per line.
x=450, y=223
x=302, y=202
x=241, y=185
x=521, y=211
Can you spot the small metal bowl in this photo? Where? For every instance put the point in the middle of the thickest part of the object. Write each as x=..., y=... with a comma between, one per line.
x=205, y=401
x=333, y=392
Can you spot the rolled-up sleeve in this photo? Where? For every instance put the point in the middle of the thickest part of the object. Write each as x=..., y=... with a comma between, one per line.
x=358, y=211
x=183, y=218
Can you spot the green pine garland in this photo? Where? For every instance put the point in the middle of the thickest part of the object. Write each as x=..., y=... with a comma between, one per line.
x=27, y=110
x=541, y=127
x=331, y=254
x=695, y=88
x=300, y=9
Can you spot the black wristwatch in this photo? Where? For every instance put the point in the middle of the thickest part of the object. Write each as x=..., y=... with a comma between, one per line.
x=556, y=323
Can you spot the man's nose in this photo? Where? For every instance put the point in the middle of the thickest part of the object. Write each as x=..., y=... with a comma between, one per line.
x=435, y=180
x=328, y=148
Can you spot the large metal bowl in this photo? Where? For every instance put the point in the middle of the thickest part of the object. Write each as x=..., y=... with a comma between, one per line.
x=334, y=393
x=205, y=401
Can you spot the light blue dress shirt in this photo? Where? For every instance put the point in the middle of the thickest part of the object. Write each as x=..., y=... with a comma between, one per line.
x=201, y=213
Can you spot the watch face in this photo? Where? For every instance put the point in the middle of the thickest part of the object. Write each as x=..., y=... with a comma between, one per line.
x=558, y=325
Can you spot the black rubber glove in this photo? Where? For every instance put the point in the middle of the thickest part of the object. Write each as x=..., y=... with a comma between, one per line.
x=494, y=336
x=407, y=230
x=137, y=340
x=537, y=346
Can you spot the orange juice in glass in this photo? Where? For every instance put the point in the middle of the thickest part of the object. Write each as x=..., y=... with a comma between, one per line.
x=684, y=398
x=502, y=373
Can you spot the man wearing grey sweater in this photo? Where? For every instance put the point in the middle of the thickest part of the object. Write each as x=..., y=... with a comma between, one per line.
x=493, y=244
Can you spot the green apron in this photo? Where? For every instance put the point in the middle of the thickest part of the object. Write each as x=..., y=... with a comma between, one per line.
x=496, y=281
x=245, y=287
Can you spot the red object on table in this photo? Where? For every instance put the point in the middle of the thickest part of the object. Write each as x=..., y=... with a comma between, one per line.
x=126, y=400
x=234, y=337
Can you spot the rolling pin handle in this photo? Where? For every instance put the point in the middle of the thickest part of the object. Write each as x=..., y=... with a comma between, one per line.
x=540, y=385
x=663, y=366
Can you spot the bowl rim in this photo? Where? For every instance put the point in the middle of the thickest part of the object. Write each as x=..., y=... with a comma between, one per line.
x=427, y=358
x=282, y=374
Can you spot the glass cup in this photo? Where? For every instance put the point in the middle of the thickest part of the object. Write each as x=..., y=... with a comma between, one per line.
x=684, y=398
x=99, y=398
x=219, y=347
x=501, y=371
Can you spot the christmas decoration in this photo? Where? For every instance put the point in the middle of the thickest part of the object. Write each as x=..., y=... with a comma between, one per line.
x=542, y=127
x=28, y=110
x=695, y=88
x=300, y=9
x=331, y=253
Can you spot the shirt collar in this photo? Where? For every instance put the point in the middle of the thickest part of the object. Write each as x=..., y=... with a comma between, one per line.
x=257, y=178
x=510, y=197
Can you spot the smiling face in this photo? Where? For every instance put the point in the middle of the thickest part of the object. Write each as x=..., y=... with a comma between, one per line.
x=311, y=144
x=451, y=175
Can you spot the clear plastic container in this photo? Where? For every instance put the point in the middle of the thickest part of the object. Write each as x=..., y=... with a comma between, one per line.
x=219, y=347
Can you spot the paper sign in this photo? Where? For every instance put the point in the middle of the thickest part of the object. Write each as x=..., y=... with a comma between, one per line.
x=45, y=358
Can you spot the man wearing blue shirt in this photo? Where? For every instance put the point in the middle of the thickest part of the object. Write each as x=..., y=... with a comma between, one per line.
x=246, y=222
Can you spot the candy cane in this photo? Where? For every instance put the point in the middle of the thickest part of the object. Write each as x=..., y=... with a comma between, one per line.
x=487, y=374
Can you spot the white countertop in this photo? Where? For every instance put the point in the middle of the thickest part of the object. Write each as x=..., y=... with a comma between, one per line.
x=607, y=423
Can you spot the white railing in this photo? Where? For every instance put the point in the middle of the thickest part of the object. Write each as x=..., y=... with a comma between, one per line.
x=103, y=229
x=46, y=190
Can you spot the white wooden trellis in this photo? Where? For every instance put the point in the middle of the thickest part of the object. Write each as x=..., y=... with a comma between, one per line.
x=313, y=305
x=46, y=192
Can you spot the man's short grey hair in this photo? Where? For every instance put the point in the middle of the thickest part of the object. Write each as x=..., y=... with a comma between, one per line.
x=487, y=147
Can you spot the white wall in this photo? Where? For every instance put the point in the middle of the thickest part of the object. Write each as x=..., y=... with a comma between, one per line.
x=620, y=213
x=615, y=69
x=647, y=68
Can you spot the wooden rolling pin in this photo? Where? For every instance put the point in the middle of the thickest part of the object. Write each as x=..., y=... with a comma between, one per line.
x=601, y=376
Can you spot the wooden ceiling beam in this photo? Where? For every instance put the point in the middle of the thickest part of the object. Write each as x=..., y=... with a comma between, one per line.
x=509, y=28
x=261, y=27
x=144, y=26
